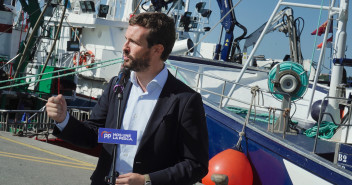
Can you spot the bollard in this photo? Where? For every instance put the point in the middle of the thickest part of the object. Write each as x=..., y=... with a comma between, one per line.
x=220, y=179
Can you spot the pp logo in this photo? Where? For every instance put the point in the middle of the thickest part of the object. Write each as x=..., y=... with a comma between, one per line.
x=106, y=135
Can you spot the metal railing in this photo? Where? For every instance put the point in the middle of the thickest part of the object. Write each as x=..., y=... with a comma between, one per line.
x=345, y=120
x=35, y=122
x=80, y=113
x=197, y=87
x=24, y=121
x=220, y=93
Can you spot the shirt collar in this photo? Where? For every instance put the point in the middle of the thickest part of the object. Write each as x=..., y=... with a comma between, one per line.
x=160, y=79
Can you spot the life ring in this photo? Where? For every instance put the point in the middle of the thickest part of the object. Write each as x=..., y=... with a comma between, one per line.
x=85, y=57
x=75, y=58
x=88, y=59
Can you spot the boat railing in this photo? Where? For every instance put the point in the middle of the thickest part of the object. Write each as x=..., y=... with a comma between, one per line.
x=35, y=122
x=344, y=125
x=197, y=86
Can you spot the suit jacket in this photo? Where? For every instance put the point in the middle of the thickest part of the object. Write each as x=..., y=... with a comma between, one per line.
x=174, y=146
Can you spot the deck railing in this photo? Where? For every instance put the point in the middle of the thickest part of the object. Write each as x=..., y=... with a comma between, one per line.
x=220, y=93
x=198, y=87
x=196, y=83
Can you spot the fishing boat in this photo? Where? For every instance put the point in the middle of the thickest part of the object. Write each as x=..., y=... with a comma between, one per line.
x=292, y=129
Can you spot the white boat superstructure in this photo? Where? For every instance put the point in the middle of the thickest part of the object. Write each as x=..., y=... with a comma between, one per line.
x=92, y=30
x=84, y=31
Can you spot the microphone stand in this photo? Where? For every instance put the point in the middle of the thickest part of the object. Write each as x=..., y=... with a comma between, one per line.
x=111, y=179
x=113, y=174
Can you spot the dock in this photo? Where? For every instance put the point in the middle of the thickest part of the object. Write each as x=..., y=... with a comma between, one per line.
x=27, y=161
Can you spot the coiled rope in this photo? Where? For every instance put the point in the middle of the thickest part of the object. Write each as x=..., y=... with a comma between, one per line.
x=262, y=117
x=326, y=130
x=295, y=68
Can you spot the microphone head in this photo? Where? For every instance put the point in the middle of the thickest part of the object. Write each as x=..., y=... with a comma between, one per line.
x=123, y=77
x=125, y=71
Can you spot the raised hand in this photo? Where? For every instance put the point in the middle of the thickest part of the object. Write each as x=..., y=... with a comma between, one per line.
x=56, y=108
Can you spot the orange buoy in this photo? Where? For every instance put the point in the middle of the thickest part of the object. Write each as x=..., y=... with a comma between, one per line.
x=232, y=163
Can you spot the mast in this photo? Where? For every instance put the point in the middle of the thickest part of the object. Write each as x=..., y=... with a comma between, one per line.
x=339, y=53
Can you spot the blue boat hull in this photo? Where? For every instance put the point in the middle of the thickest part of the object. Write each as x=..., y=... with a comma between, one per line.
x=268, y=158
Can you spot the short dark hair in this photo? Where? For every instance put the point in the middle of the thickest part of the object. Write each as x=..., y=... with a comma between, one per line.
x=161, y=30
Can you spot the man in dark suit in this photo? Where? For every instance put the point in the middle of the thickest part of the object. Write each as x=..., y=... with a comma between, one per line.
x=172, y=142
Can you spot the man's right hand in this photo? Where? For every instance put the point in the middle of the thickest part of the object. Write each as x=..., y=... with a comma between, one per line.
x=56, y=108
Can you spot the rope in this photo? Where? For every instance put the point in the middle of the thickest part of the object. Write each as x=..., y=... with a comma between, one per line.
x=326, y=130
x=135, y=10
x=271, y=110
x=73, y=30
x=62, y=70
x=254, y=91
x=59, y=76
x=295, y=68
x=266, y=117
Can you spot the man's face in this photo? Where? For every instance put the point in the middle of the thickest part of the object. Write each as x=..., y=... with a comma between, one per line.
x=136, y=53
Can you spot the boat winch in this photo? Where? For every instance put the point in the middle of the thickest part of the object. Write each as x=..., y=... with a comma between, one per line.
x=288, y=77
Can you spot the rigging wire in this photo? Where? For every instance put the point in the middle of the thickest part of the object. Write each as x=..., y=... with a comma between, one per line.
x=77, y=37
x=36, y=26
x=315, y=38
x=58, y=76
x=135, y=10
x=64, y=70
x=55, y=40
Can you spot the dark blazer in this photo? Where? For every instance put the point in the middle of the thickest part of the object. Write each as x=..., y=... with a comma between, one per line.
x=174, y=146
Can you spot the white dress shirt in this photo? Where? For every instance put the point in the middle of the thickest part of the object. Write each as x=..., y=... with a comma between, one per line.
x=140, y=106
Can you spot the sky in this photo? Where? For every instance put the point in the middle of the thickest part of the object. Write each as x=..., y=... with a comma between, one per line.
x=253, y=13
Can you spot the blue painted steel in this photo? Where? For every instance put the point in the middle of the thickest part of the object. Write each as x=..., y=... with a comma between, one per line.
x=343, y=61
x=264, y=153
x=228, y=24
x=344, y=159
x=345, y=148
x=223, y=135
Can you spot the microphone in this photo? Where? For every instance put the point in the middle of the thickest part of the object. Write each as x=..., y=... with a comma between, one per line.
x=122, y=79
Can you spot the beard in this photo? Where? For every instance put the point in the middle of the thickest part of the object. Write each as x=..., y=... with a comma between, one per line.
x=137, y=64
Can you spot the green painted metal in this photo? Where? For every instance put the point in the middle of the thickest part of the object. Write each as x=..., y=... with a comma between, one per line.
x=33, y=9
x=45, y=86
